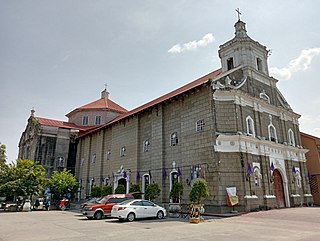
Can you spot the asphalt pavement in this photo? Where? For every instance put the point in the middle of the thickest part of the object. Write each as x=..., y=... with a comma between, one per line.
x=301, y=223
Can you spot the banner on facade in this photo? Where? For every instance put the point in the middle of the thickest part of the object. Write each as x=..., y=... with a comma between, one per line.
x=232, y=197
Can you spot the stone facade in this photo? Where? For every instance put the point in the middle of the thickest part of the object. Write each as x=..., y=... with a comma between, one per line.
x=54, y=147
x=52, y=143
x=232, y=128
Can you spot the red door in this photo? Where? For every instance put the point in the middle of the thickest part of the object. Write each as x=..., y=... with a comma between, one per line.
x=278, y=189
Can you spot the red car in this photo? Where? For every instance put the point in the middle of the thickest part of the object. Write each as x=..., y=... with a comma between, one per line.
x=104, y=206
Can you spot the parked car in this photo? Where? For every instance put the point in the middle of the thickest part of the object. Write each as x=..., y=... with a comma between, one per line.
x=103, y=206
x=90, y=201
x=138, y=208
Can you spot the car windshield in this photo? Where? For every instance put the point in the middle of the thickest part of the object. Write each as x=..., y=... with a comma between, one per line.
x=94, y=200
x=102, y=200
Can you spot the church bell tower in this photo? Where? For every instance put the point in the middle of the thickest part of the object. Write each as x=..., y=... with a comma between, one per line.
x=243, y=51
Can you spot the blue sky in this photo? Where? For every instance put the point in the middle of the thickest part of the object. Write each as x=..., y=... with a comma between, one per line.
x=58, y=55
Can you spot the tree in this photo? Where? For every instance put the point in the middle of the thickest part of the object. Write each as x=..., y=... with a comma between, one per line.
x=25, y=178
x=62, y=183
x=106, y=190
x=199, y=191
x=3, y=155
x=96, y=191
x=135, y=189
x=120, y=189
x=176, y=192
x=152, y=191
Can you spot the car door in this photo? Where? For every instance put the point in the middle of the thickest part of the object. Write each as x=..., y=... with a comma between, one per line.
x=150, y=209
x=109, y=204
x=138, y=209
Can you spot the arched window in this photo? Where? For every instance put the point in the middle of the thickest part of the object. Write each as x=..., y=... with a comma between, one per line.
x=272, y=133
x=145, y=183
x=174, y=139
x=146, y=146
x=108, y=154
x=250, y=126
x=123, y=151
x=291, y=138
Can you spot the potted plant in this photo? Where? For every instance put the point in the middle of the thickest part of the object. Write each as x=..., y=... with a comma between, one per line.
x=120, y=189
x=152, y=191
x=135, y=190
x=176, y=192
x=199, y=192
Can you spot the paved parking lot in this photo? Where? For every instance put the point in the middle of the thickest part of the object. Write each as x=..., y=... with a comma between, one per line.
x=283, y=224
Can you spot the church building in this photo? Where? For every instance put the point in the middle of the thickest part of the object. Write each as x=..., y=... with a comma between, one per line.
x=231, y=128
x=53, y=143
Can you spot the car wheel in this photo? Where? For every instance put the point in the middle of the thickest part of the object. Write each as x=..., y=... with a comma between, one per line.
x=131, y=217
x=98, y=215
x=160, y=215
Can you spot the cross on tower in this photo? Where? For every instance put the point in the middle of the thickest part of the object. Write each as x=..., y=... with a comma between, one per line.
x=238, y=11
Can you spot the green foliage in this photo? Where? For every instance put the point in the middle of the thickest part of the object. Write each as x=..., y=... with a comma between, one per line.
x=135, y=188
x=3, y=155
x=25, y=178
x=120, y=189
x=152, y=191
x=106, y=190
x=176, y=192
x=199, y=191
x=96, y=191
x=35, y=122
x=62, y=183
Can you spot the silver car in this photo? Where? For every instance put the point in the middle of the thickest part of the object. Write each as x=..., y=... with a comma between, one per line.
x=137, y=208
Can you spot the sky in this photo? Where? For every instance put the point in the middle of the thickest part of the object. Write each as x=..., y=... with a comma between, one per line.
x=58, y=55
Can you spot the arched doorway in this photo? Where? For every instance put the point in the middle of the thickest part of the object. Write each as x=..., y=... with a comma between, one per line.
x=123, y=181
x=278, y=189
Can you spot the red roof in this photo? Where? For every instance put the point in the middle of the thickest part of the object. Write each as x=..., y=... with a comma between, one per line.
x=168, y=96
x=101, y=104
x=62, y=124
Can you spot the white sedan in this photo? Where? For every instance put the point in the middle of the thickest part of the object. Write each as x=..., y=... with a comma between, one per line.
x=137, y=208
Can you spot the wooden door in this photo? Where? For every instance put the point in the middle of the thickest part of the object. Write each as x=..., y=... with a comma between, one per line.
x=278, y=189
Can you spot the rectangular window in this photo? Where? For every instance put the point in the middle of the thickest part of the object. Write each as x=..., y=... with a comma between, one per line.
x=98, y=120
x=230, y=63
x=200, y=125
x=85, y=120
x=259, y=64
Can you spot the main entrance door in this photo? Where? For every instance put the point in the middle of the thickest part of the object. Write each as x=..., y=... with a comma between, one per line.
x=278, y=189
x=123, y=182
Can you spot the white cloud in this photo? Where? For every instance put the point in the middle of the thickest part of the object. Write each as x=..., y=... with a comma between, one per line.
x=192, y=45
x=310, y=124
x=301, y=63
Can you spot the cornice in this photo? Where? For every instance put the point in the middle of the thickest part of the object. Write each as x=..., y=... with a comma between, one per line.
x=252, y=145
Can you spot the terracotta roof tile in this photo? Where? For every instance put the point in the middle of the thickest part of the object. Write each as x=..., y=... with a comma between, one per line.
x=62, y=124
x=168, y=96
x=101, y=104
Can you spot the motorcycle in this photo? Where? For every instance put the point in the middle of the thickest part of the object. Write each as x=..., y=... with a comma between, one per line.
x=64, y=204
